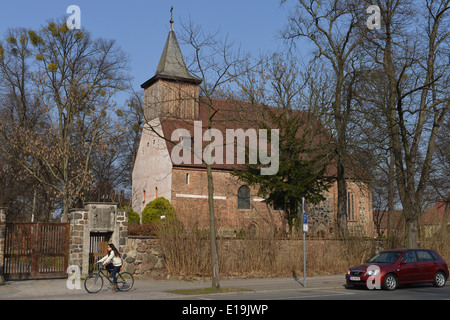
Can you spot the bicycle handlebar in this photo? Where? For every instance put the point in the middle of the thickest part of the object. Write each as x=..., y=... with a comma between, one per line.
x=100, y=264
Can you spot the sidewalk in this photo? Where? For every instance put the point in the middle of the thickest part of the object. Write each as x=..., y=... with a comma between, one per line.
x=151, y=289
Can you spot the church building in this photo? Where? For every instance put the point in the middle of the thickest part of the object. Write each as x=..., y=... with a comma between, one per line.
x=173, y=104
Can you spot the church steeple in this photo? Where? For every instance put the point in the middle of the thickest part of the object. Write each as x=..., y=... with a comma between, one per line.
x=171, y=65
x=173, y=90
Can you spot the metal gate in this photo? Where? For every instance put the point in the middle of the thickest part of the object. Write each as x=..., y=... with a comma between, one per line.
x=36, y=250
x=98, y=248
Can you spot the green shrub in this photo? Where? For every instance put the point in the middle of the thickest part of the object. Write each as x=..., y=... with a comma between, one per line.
x=157, y=208
x=133, y=216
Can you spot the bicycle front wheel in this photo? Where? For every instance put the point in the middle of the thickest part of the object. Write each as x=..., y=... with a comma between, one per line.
x=93, y=283
x=125, y=281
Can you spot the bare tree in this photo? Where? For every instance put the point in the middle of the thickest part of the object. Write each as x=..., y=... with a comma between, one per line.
x=74, y=82
x=414, y=59
x=278, y=92
x=331, y=26
x=217, y=64
x=19, y=107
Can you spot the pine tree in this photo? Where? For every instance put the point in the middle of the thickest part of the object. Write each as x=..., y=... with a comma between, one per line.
x=302, y=165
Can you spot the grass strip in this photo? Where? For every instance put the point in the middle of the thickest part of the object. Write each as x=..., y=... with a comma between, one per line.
x=188, y=292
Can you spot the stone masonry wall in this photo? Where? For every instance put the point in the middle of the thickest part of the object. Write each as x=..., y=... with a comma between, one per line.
x=142, y=256
x=78, y=220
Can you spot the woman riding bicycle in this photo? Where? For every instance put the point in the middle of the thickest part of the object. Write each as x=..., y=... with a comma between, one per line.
x=112, y=262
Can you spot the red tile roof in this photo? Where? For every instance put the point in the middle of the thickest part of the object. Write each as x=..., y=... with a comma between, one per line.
x=436, y=213
x=230, y=114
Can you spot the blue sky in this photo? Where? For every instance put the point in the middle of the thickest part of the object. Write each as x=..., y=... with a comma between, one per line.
x=141, y=27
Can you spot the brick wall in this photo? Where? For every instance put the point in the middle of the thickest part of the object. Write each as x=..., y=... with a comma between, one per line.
x=191, y=204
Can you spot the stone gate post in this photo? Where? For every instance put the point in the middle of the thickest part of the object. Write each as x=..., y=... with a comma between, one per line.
x=95, y=217
x=79, y=230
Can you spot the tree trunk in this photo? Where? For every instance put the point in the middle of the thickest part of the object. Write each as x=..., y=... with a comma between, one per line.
x=341, y=153
x=212, y=229
x=444, y=221
x=342, y=201
x=390, y=198
x=411, y=233
x=65, y=210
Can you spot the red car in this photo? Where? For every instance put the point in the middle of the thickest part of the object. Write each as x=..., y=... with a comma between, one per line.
x=391, y=268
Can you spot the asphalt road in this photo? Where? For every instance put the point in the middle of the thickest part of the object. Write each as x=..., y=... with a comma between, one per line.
x=293, y=303
x=417, y=292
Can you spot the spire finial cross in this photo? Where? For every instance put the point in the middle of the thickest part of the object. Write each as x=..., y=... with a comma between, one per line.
x=171, y=18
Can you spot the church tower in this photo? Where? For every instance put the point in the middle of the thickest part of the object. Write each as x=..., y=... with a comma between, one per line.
x=172, y=91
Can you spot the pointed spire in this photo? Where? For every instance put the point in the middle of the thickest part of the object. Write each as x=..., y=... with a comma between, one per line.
x=171, y=65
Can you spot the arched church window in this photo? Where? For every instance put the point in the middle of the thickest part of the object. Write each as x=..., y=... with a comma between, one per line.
x=244, y=198
x=350, y=207
x=252, y=230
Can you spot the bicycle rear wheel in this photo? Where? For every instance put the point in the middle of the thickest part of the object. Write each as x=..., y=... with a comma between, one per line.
x=125, y=281
x=93, y=283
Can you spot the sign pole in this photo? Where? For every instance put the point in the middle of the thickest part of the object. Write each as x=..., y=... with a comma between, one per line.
x=305, y=229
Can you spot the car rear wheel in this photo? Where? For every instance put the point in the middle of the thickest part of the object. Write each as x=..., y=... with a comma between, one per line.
x=439, y=279
x=390, y=282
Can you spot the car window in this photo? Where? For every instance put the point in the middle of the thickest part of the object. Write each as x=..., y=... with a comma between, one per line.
x=409, y=257
x=434, y=255
x=424, y=256
x=385, y=257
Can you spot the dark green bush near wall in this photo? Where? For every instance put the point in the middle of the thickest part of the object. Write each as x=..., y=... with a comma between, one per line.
x=133, y=216
x=151, y=218
x=157, y=208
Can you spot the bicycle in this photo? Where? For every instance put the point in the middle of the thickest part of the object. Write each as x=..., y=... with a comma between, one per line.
x=94, y=281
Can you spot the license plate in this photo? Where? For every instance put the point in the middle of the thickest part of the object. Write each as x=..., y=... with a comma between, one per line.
x=355, y=278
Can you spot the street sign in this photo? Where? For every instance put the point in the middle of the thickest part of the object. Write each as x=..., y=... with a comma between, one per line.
x=305, y=221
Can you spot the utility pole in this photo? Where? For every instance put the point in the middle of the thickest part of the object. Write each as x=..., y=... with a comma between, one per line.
x=305, y=230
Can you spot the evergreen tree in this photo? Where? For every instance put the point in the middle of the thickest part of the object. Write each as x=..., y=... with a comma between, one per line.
x=302, y=165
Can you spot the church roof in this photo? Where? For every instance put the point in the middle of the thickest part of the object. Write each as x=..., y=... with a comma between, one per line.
x=171, y=65
x=239, y=115
x=436, y=214
x=231, y=115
